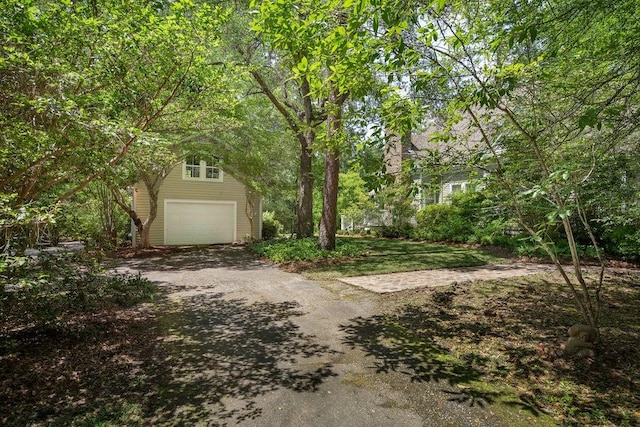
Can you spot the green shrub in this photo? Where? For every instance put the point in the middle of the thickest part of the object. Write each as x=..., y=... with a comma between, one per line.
x=269, y=230
x=623, y=241
x=442, y=222
x=395, y=231
x=42, y=291
x=271, y=227
x=496, y=232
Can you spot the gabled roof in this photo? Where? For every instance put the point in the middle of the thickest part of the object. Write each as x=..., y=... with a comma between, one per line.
x=442, y=143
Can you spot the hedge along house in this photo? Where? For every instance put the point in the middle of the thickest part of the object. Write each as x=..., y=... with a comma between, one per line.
x=200, y=204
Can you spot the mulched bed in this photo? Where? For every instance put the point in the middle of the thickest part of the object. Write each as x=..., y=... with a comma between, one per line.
x=510, y=332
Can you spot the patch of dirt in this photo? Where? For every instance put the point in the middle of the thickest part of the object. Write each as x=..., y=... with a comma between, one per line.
x=511, y=332
x=54, y=374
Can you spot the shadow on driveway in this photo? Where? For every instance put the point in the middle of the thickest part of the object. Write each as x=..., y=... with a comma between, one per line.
x=227, y=348
x=202, y=360
x=408, y=342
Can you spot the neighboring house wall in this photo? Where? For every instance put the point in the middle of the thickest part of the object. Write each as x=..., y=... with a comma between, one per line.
x=227, y=192
x=461, y=143
x=449, y=184
x=452, y=146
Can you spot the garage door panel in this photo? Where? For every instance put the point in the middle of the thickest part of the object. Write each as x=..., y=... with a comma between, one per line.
x=199, y=222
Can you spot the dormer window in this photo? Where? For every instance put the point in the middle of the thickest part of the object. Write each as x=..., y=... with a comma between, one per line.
x=200, y=168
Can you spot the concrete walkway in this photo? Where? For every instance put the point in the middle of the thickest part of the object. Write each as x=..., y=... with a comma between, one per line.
x=394, y=282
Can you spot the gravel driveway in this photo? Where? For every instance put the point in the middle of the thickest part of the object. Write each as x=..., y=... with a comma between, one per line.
x=251, y=345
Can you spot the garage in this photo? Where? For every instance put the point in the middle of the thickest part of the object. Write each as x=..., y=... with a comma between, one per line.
x=198, y=222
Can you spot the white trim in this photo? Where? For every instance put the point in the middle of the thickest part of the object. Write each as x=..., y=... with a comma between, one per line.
x=210, y=202
x=462, y=184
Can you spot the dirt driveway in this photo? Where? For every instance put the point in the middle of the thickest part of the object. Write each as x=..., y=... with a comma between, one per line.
x=247, y=344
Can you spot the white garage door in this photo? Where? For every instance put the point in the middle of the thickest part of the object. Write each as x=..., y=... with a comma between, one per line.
x=194, y=222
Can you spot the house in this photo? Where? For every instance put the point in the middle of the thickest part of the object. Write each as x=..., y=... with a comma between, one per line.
x=439, y=161
x=199, y=203
x=435, y=163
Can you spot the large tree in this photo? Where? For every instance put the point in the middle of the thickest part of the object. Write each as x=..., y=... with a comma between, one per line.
x=150, y=161
x=336, y=48
x=80, y=81
x=272, y=74
x=552, y=88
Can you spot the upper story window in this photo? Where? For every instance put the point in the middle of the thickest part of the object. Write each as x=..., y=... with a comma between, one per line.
x=201, y=168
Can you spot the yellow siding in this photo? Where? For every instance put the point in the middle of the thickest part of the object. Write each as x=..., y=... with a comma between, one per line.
x=174, y=187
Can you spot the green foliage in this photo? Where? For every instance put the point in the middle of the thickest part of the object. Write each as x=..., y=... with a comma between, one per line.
x=396, y=199
x=472, y=217
x=324, y=43
x=453, y=222
x=271, y=227
x=552, y=122
x=24, y=227
x=334, y=56
x=42, y=291
x=82, y=81
x=395, y=231
x=286, y=250
x=611, y=199
x=92, y=217
x=269, y=230
x=495, y=232
x=257, y=149
x=517, y=80
x=353, y=200
x=622, y=241
x=442, y=222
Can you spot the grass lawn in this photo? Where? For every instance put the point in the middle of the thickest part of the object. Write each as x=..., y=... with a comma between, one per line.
x=358, y=256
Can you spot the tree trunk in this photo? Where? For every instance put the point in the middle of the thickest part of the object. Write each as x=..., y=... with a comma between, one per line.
x=328, y=223
x=153, y=188
x=144, y=237
x=303, y=126
x=117, y=197
x=305, y=194
x=251, y=209
x=305, y=203
x=153, y=213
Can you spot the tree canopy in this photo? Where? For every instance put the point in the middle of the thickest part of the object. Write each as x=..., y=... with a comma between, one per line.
x=81, y=81
x=552, y=87
x=548, y=88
